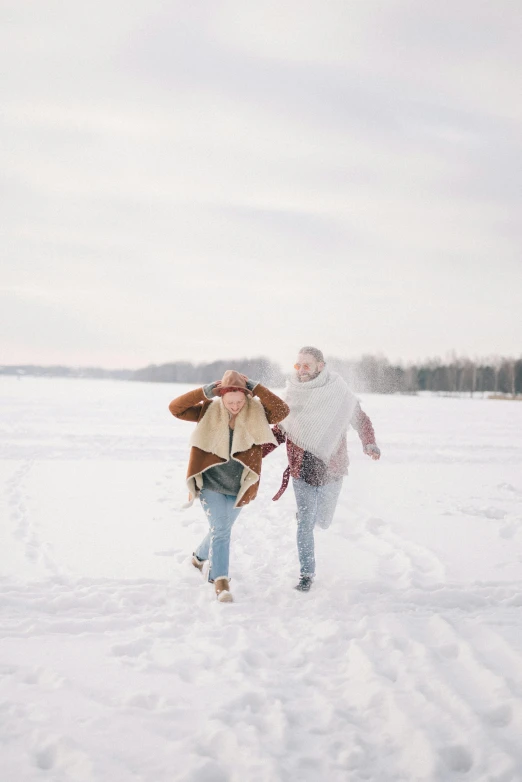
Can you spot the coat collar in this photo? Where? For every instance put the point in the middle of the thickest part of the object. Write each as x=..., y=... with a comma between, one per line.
x=251, y=428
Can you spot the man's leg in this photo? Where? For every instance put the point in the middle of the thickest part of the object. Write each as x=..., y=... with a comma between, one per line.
x=327, y=497
x=306, y=498
x=221, y=515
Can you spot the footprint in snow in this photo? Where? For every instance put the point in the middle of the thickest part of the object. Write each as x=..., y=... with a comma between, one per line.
x=508, y=487
x=132, y=648
x=375, y=526
x=450, y=651
x=508, y=531
x=187, y=522
x=457, y=758
x=210, y=772
x=500, y=716
x=43, y=677
x=45, y=757
x=59, y=756
x=149, y=701
x=495, y=514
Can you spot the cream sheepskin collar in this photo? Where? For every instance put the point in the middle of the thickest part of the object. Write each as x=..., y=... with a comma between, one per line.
x=251, y=428
x=212, y=435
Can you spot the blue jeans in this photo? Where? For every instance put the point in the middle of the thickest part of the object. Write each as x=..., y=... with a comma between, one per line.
x=315, y=505
x=215, y=546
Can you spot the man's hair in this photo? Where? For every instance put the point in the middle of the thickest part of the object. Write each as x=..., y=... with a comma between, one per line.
x=315, y=352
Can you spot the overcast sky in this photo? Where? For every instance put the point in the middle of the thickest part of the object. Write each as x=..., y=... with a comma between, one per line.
x=202, y=179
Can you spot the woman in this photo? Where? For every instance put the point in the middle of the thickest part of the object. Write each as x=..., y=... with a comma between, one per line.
x=225, y=459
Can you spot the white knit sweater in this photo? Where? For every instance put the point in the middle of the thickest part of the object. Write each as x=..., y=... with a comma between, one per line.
x=320, y=413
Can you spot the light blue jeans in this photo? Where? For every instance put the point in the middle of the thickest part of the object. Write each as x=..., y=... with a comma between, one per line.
x=215, y=546
x=315, y=505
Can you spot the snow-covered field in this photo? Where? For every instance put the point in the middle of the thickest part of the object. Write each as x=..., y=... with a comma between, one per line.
x=118, y=665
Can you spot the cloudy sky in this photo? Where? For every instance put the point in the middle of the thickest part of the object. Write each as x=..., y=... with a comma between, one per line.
x=204, y=179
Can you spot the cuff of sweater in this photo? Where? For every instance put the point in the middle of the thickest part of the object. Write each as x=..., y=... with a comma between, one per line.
x=208, y=390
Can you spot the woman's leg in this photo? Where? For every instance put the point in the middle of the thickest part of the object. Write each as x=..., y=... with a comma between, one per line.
x=202, y=550
x=221, y=514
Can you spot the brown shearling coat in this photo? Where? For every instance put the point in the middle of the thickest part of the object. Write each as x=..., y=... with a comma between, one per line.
x=250, y=433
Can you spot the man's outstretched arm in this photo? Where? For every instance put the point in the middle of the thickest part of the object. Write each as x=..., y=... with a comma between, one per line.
x=364, y=428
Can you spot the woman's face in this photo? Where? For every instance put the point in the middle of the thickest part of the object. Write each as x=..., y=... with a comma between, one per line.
x=234, y=401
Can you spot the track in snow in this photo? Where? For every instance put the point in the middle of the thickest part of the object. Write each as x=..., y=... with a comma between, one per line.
x=403, y=663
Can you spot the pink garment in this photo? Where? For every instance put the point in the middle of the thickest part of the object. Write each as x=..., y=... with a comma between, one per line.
x=303, y=465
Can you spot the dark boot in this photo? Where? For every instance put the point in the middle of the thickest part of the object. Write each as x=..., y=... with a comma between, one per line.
x=305, y=582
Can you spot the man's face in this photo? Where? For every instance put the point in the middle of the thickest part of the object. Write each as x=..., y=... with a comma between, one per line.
x=307, y=367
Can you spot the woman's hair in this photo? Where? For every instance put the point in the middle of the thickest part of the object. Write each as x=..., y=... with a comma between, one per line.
x=315, y=352
x=223, y=391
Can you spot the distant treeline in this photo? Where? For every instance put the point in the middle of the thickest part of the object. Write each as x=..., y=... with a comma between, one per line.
x=261, y=369
x=370, y=374
x=459, y=375
x=175, y=372
x=34, y=370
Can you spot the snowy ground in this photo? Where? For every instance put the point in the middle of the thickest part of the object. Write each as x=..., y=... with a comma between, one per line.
x=117, y=664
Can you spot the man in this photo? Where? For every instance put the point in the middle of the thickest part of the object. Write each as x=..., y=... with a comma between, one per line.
x=322, y=407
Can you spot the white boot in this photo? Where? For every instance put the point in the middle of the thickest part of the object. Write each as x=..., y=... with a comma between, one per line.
x=223, y=593
x=198, y=563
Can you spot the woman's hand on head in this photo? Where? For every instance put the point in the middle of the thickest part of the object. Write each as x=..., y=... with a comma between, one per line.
x=210, y=389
